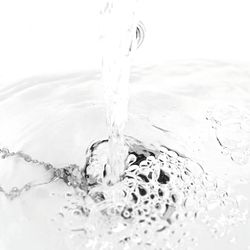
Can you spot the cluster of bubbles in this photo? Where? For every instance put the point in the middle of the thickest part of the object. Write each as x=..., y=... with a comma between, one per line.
x=232, y=129
x=160, y=192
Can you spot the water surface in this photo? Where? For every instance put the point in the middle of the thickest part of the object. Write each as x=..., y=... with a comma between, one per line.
x=199, y=110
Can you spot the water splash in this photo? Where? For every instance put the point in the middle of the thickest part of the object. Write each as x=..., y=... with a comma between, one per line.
x=232, y=131
x=155, y=198
x=160, y=193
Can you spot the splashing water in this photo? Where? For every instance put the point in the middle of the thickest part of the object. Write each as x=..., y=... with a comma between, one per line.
x=172, y=188
x=177, y=190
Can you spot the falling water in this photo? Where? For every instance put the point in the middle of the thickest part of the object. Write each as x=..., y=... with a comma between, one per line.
x=171, y=187
x=119, y=29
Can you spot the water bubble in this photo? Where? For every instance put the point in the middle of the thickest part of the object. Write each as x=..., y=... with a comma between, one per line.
x=158, y=194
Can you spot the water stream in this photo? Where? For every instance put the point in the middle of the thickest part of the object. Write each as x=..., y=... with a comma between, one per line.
x=176, y=151
x=118, y=39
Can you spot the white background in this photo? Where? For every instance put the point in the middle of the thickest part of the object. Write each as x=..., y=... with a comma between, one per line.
x=40, y=37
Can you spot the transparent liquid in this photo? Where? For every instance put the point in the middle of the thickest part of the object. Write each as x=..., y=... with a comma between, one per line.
x=198, y=110
x=118, y=43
